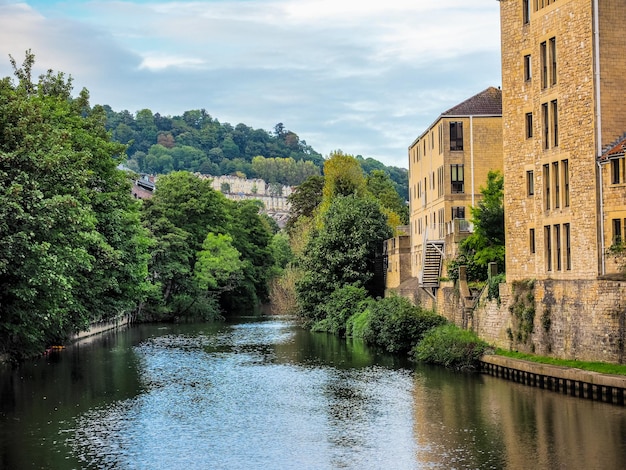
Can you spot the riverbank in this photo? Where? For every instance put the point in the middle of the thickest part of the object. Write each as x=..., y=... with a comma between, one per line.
x=581, y=383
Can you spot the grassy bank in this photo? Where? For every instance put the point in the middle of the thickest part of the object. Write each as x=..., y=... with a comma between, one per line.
x=601, y=367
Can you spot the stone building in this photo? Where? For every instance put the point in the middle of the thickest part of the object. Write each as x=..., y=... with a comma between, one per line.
x=563, y=77
x=448, y=164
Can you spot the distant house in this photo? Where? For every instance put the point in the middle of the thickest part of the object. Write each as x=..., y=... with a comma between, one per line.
x=144, y=187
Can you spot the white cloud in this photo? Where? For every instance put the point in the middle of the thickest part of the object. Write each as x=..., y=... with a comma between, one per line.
x=367, y=77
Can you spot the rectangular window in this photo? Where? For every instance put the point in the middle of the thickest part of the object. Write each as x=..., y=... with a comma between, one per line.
x=458, y=212
x=526, y=11
x=555, y=123
x=546, y=187
x=530, y=183
x=543, y=54
x=552, y=45
x=529, y=125
x=457, y=178
x=557, y=246
x=617, y=170
x=456, y=136
x=568, y=253
x=545, y=123
x=565, y=173
x=556, y=185
x=528, y=71
x=617, y=231
x=531, y=240
x=440, y=181
x=547, y=235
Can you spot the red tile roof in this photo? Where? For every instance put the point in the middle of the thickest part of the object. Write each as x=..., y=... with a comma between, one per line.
x=617, y=148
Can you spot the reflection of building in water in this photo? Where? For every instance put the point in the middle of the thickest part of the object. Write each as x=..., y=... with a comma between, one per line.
x=472, y=421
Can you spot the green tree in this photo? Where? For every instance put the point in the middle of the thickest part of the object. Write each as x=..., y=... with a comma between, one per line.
x=218, y=267
x=343, y=251
x=486, y=243
x=72, y=249
x=379, y=184
x=180, y=215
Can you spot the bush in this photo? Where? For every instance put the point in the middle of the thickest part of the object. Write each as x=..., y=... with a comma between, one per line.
x=397, y=325
x=450, y=346
x=340, y=306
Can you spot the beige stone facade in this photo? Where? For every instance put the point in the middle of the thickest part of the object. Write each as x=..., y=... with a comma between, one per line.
x=562, y=82
x=448, y=164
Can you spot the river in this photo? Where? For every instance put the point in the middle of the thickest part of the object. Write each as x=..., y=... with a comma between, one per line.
x=268, y=395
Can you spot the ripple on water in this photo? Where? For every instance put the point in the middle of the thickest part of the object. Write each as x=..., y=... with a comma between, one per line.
x=215, y=401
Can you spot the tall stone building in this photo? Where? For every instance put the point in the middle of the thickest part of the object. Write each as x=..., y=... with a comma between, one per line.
x=563, y=81
x=448, y=164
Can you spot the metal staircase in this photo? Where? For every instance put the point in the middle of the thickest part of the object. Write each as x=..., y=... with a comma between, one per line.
x=431, y=268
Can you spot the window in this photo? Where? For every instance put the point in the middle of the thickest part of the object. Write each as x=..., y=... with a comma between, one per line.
x=531, y=239
x=617, y=170
x=530, y=182
x=440, y=181
x=552, y=47
x=557, y=246
x=565, y=173
x=458, y=212
x=617, y=231
x=456, y=136
x=526, y=11
x=528, y=72
x=545, y=123
x=457, y=178
x=546, y=187
x=547, y=235
x=568, y=252
x=529, y=125
x=556, y=185
x=543, y=54
x=555, y=122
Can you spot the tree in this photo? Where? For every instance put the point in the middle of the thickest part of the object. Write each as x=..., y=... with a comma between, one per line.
x=180, y=215
x=72, y=249
x=218, y=267
x=343, y=251
x=379, y=184
x=486, y=243
x=305, y=199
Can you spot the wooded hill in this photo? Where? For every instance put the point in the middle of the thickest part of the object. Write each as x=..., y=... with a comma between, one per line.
x=197, y=142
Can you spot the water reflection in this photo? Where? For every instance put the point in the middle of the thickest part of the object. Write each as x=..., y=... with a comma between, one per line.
x=484, y=422
x=271, y=395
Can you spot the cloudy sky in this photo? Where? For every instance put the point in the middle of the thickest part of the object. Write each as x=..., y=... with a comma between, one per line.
x=363, y=76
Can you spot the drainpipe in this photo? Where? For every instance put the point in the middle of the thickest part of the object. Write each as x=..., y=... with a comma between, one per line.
x=596, y=45
x=471, y=118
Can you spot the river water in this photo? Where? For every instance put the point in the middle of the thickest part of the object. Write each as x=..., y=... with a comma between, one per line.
x=269, y=395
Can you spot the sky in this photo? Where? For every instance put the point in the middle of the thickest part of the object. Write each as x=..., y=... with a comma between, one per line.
x=362, y=76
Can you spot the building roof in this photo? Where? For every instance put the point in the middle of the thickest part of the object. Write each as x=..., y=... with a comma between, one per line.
x=487, y=102
x=615, y=149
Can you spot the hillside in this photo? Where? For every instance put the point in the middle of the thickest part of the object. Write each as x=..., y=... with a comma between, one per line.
x=197, y=142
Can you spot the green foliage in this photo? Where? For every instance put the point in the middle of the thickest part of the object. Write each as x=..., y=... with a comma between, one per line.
x=218, y=266
x=73, y=250
x=397, y=325
x=493, y=289
x=600, y=367
x=380, y=185
x=451, y=346
x=305, y=199
x=523, y=311
x=339, y=307
x=342, y=252
x=617, y=251
x=486, y=243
